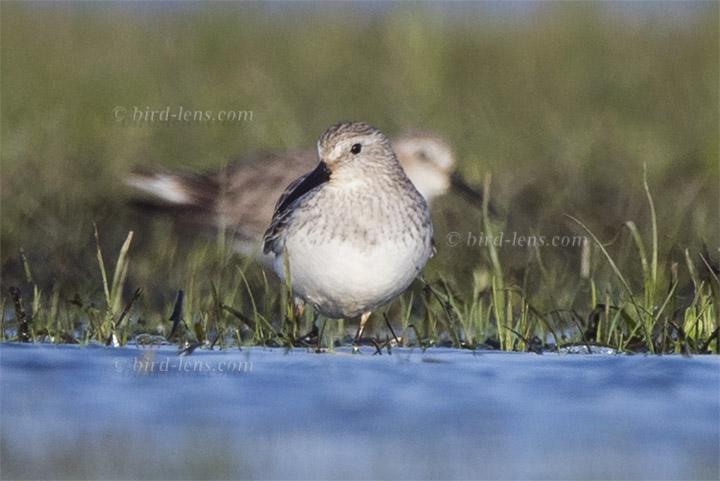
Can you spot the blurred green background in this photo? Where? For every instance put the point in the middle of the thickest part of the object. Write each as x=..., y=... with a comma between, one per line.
x=562, y=102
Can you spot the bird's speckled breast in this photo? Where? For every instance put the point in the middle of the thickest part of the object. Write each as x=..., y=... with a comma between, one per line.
x=364, y=250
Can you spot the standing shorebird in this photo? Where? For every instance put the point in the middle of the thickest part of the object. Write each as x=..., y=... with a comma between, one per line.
x=235, y=198
x=353, y=233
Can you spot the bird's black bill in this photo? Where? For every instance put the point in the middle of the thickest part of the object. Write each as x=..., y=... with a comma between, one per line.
x=317, y=177
x=474, y=195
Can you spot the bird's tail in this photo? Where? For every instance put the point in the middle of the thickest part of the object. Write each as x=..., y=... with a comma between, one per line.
x=186, y=197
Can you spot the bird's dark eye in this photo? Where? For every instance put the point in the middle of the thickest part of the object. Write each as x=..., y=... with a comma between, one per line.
x=356, y=148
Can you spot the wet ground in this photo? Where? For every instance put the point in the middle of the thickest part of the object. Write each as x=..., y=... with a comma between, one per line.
x=121, y=413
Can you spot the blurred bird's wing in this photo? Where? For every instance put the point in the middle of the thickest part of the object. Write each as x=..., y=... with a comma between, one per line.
x=474, y=195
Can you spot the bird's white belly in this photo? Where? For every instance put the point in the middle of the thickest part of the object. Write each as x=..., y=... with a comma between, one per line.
x=342, y=280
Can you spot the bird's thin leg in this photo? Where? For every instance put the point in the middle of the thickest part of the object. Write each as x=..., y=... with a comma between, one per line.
x=363, y=320
x=298, y=314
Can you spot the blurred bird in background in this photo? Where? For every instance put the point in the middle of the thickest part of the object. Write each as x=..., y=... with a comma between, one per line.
x=240, y=198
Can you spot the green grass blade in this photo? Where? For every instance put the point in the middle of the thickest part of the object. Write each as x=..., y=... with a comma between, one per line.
x=121, y=268
x=619, y=275
x=653, y=222
x=102, y=268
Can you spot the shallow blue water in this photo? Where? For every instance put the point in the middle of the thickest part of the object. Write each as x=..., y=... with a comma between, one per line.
x=89, y=412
